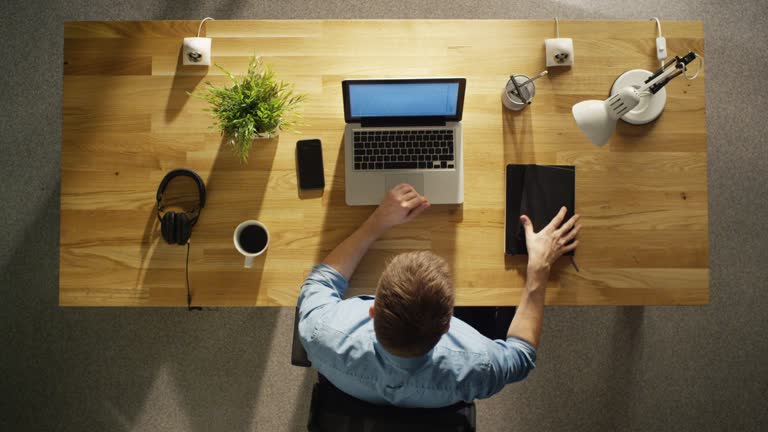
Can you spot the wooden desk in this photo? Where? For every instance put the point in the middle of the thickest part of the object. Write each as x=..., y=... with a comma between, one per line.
x=128, y=120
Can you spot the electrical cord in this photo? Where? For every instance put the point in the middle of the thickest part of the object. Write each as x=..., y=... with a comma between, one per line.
x=557, y=28
x=658, y=24
x=201, y=24
x=700, y=58
x=189, y=293
x=658, y=27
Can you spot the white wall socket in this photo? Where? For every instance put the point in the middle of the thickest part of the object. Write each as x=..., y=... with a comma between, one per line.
x=559, y=51
x=196, y=51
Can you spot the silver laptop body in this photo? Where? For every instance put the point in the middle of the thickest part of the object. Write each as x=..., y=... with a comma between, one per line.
x=404, y=131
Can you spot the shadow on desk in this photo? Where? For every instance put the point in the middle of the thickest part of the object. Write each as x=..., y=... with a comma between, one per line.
x=518, y=142
x=629, y=137
x=518, y=138
x=236, y=194
x=185, y=79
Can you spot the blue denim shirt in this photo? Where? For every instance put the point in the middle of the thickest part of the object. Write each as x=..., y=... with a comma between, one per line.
x=340, y=341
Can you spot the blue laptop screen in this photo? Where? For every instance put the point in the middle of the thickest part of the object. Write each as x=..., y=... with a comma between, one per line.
x=403, y=99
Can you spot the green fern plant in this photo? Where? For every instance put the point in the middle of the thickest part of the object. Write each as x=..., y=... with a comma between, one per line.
x=257, y=103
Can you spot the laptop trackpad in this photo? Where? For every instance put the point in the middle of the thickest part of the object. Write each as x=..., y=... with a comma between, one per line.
x=415, y=180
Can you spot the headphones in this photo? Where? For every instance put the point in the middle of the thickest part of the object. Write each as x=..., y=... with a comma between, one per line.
x=176, y=227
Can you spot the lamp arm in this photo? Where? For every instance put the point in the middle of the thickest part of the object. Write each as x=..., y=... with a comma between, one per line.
x=667, y=73
x=657, y=83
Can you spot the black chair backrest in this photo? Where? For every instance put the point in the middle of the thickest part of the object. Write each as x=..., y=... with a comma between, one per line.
x=332, y=410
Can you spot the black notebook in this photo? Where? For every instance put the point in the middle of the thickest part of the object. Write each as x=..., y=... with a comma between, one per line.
x=537, y=191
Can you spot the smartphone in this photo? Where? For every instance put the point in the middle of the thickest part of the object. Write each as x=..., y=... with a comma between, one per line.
x=309, y=157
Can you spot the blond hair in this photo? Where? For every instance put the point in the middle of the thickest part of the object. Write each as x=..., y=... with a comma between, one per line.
x=414, y=303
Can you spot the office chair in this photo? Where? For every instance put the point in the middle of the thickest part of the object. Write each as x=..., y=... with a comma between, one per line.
x=332, y=410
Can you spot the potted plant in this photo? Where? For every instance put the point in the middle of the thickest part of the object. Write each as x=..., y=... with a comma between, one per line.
x=256, y=105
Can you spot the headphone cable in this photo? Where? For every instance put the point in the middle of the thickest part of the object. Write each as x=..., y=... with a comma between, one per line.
x=189, y=293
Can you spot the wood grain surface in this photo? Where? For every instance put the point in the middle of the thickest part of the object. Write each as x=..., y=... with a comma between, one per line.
x=127, y=120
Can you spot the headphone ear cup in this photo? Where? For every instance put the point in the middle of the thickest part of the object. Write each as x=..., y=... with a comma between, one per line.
x=174, y=228
x=166, y=227
x=183, y=227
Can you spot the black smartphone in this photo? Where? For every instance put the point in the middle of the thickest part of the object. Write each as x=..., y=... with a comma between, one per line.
x=309, y=156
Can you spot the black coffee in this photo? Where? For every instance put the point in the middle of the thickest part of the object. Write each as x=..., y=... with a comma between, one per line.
x=253, y=239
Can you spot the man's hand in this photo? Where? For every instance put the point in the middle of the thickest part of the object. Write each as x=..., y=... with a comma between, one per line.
x=547, y=245
x=544, y=248
x=401, y=204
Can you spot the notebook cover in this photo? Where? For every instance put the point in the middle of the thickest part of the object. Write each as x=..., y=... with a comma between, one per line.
x=537, y=191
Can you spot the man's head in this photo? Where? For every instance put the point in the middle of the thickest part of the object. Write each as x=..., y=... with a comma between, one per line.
x=414, y=303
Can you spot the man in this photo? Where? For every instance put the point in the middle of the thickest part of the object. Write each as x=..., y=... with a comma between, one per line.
x=404, y=347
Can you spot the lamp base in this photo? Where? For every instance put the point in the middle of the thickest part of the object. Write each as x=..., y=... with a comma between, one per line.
x=650, y=107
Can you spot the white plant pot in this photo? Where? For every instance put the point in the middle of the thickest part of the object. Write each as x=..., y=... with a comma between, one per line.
x=270, y=134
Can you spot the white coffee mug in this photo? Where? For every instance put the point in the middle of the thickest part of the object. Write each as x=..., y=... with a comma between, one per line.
x=249, y=256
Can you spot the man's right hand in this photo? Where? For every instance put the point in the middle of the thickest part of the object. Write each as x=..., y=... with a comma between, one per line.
x=549, y=244
x=401, y=204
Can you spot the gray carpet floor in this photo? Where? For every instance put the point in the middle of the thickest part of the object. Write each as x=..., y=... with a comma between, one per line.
x=607, y=368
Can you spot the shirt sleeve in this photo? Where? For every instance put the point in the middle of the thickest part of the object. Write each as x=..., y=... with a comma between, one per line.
x=510, y=361
x=323, y=288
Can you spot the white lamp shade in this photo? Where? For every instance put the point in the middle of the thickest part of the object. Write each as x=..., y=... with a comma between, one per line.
x=594, y=120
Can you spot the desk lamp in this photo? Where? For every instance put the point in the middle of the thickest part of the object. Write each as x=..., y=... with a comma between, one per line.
x=637, y=97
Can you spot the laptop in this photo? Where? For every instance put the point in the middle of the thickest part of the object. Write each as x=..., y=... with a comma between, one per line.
x=403, y=131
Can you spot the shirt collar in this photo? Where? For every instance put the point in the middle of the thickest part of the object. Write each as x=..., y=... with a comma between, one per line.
x=409, y=363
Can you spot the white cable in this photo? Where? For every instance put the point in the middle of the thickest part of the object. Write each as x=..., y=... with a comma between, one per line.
x=661, y=43
x=557, y=28
x=658, y=25
x=701, y=66
x=201, y=24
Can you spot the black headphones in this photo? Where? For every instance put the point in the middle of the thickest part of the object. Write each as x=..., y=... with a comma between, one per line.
x=176, y=228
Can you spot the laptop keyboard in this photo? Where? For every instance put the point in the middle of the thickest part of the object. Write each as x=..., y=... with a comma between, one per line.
x=403, y=149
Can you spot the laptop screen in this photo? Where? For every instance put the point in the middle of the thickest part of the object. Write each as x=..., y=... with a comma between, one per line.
x=370, y=99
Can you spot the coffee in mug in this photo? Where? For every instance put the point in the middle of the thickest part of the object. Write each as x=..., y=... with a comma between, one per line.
x=251, y=239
